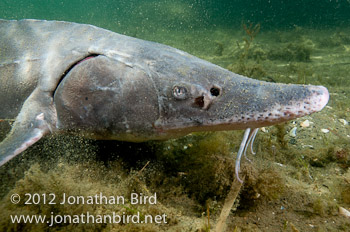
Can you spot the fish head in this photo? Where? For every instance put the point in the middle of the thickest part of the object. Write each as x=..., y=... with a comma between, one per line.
x=196, y=95
x=169, y=94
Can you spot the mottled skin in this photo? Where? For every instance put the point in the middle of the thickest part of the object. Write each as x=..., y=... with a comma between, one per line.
x=127, y=89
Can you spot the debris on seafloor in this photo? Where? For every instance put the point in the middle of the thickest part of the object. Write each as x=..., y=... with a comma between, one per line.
x=229, y=201
x=305, y=123
x=292, y=132
x=344, y=212
x=344, y=121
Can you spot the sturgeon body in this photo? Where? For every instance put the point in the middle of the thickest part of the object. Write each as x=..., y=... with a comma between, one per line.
x=68, y=77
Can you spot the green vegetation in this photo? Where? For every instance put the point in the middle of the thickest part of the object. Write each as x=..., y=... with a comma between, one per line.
x=242, y=66
x=291, y=52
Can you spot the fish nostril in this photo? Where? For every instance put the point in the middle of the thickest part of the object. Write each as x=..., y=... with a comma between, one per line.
x=199, y=101
x=214, y=91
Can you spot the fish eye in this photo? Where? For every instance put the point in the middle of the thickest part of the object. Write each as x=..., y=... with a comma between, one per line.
x=215, y=91
x=179, y=92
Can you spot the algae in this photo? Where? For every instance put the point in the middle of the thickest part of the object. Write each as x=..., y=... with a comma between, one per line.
x=248, y=51
x=291, y=52
x=260, y=186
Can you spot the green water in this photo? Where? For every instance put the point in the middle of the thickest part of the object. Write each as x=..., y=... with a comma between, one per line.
x=189, y=25
x=181, y=15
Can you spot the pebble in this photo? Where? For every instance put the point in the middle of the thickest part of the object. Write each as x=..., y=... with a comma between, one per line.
x=309, y=146
x=343, y=121
x=293, y=132
x=279, y=164
x=305, y=124
x=325, y=131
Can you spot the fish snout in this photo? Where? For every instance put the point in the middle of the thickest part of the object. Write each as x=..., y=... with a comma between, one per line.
x=318, y=99
x=315, y=100
x=288, y=103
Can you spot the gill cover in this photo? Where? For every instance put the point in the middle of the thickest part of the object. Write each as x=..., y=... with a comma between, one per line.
x=104, y=98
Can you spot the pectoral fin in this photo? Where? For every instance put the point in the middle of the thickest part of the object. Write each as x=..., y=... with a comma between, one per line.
x=33, y=122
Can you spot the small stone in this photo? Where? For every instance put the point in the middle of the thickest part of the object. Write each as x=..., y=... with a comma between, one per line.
x=279, y=164
x=325, y=131
x=305, y=124
x=343, y=121
x=308, y=146
x=292, y=132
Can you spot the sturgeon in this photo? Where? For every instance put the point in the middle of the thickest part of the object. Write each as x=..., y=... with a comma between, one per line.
x=60, y=76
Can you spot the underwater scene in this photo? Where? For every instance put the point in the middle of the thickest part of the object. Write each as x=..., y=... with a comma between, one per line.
x=295, y=177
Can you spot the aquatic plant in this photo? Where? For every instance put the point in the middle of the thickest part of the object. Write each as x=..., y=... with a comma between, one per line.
x=83, y=179
x=291, y=52
x=281, y=132
x=319, y=206
x=345, y=194
x=244, y=67
x=260, y=186
x=219, y=48
x=204, y=161
x=252, y=32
